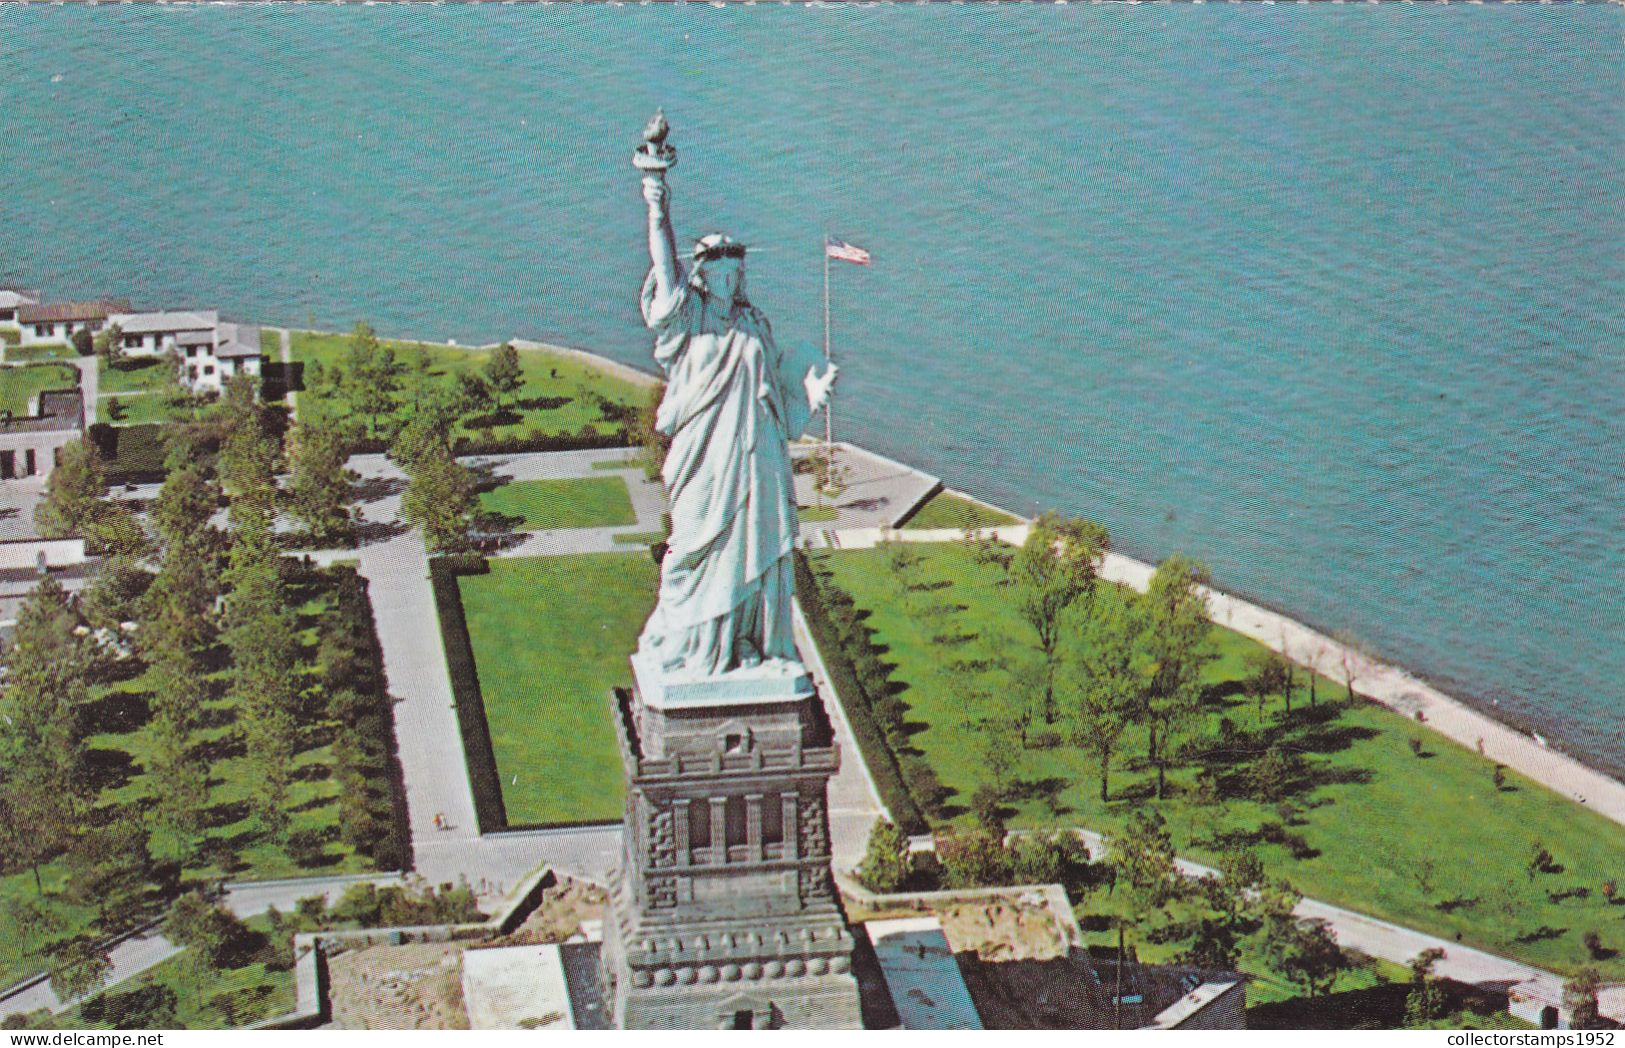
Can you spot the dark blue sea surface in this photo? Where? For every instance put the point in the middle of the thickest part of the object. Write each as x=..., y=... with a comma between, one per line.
x=1328, y=297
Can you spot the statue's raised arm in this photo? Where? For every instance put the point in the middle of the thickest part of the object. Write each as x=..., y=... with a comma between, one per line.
x=654, y=159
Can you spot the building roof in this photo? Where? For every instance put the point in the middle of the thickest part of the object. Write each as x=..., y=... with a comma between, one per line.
x=926, y=984
x=238, y=340
x=15, y=296
x=55, y=312
x=59, y=409
x=166, y=323
x=195, y=338
x=1192, y=1004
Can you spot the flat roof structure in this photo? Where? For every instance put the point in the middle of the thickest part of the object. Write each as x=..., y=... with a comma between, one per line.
x=926, y=985
x=549, y=987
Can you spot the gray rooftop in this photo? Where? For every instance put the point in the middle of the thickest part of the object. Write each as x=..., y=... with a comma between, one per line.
x=238, y=340
x=11, y=297
x=58, y=409
x=164, y=323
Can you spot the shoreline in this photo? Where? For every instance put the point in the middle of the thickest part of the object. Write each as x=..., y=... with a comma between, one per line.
x=1461, y=721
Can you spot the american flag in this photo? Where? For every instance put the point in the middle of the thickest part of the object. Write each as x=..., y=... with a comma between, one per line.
x=846, y=252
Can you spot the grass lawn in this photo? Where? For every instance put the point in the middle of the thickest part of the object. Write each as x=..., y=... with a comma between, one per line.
x=18, y=384
x=137, y=408
x=16, y=354
x=1426, y=842
x=638, y=538
x=815, y=514
x=10, y=336
x=617, y=464
x=591, y=502
x=551, y=636
x=145, y=374
x=557, y=397
x=947, y=510
x=234, y=845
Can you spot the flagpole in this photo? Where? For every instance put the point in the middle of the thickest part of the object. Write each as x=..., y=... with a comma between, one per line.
x=829, y=400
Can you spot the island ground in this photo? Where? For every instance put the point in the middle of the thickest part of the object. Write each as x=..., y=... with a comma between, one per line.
x=1361, y=791
x=561, y=394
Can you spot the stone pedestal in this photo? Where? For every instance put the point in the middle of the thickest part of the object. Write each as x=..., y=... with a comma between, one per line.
x=724, y=914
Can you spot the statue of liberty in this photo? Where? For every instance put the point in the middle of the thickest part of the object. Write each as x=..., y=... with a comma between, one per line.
x=733, y=401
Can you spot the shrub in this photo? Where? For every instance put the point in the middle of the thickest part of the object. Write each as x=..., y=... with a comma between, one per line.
x=1416, y=745
x=972, y=859
x=1593, y=944
x=886, y=864
x=987, y=804
x=922, y=782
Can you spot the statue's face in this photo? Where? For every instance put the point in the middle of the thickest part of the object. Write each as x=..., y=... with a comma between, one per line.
x=724, y=278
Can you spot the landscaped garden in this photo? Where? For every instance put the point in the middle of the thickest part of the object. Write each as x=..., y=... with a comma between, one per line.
x=550, y=638
x=339, y=806
x=947, y=510
x=19, y=384
x=1354, y=803
x=553, y=396
x=16, y=354
x=534, y=505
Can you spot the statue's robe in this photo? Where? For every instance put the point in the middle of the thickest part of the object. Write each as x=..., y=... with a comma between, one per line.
x=732, y=402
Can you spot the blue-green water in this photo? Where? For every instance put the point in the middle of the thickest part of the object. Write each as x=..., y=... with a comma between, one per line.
x=1327, y=297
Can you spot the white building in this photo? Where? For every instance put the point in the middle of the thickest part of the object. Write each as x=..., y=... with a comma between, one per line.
x=210, y=350
x=10, y=299
x=55, y=322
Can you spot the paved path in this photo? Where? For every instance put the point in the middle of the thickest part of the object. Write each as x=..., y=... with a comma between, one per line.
x=286, y=339
x=877, y=491
x=1388, y=685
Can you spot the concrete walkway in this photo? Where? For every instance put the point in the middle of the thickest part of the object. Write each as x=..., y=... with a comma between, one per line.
x=90, y=383
x=1388, y=685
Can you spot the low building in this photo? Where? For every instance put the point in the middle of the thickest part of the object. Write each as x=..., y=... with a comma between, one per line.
x=31, y=445
x=151, y=334
x=51, y=322
x=11, y=299
x=210, y=351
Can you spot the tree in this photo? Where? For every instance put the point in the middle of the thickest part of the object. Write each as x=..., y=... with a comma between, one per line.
x=1580, y=999
x=474, y=395
x=264, y=644
x=200, y=924
x=440, y=499
x=109, y=345
x=248, y=456
x=1270, y=776
x=503, y=374
x=79, y=967
x=1048, y=582
x=320, y=488
x=419, y=374
x=1111, y=681
x=1425, y=1002
x=1142, y=860
x=372, y=378
x=84, y=343
x=972, y=858
x=1305, y=952
x=114, y=595
x=1177, y=628
x=886, y=863
x=185, y=503
x=109, y=868
x=1351, y=656
x=1268, y=674
x=74, y=506
x=1001, y=749
x=1216, y=944
x=42, y=780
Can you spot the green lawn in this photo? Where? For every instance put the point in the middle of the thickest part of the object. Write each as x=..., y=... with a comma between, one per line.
x=16, y=354
x=617, y=464
x=144, y=374
x=558, y=396
x=551, y=636
x=10, y=336
x=591, y=502
x=947, y=510
x=135, y=409
x=1372, y=815
x=18, y=384
x=232, y=833
x=816, y=514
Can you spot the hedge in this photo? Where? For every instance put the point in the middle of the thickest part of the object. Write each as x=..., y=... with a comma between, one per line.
x=465, y=686
x=881, y=760
x=510, y=445
x=131, y=454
